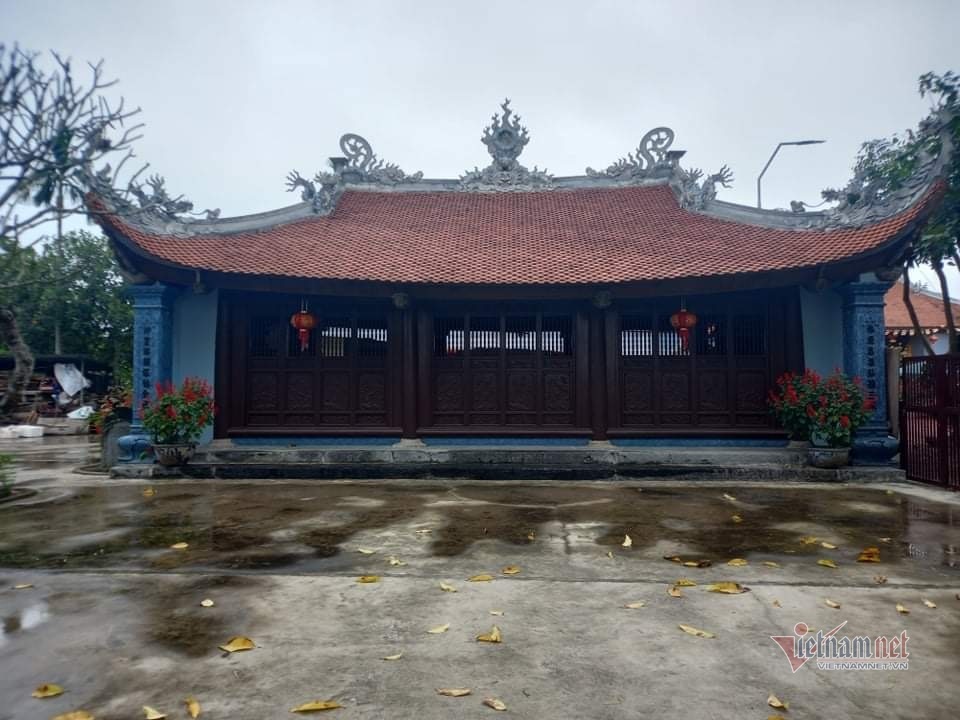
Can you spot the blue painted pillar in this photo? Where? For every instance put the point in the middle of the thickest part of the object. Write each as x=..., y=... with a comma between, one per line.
x=152, y=359
x=864, y=356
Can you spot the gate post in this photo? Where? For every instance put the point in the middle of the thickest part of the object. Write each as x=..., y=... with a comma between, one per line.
x=152, y=360
x=864, y=356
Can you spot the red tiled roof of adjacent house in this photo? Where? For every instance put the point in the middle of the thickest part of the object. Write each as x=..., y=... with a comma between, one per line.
x=597, y=235
x=929, y=310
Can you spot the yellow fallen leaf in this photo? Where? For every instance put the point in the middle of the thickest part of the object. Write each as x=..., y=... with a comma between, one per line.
x=728, y=588
x=830, y=603
x=809, y=540
x=673, y=558
x=453, y=692
x=696, y=632
x=439, y=629
x=207, y=602
x=879, y=579
x=870, y=554
x=902, y=609
x=393, y=657
x=771, y=564
x=395, y=561
x=495, y=704
x=776, y=717
x=367, y=579
x=674, y=591
x=511, y=570
x=446, y=587
x=74, y=715
x=480, y=578
x=684, y=582
x=531, y=536
x=152, y=713
x=47, y=690
x=776, y=603
x=627, y=542
x=425, y=531
x=737, y=562
x=635, y=605
x=826, y=562
x=697, y=563
x=930, y=604
x=775, y=702
x=498, y=613
x=828, y=546
x=316, y=706
x=365, y=551
x=494, y=636
x=180, y=546
x=728, y=496
x=736, y=518
x=610, y=554
x=193, y=706
x=23, y=586
x=149, y=492
x=238, y=643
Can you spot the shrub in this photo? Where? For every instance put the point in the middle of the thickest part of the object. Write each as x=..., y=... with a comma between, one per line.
x=826, y=411
x=179, y=415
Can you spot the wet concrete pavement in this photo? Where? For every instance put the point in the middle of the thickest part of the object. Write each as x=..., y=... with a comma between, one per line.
x=114, y=613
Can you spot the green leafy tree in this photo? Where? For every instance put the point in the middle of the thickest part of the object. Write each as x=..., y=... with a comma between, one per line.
x=88, y=298
x=884, y=165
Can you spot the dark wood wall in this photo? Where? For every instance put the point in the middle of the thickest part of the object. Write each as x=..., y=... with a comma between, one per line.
x=519, y=368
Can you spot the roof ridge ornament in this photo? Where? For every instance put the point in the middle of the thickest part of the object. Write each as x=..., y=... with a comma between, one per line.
x=652, y=155
x=358, y=166
x=505, y=139
x=695, y=195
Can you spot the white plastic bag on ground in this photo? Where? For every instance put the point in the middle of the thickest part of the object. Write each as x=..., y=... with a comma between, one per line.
x=81, y=413
x=71, y=380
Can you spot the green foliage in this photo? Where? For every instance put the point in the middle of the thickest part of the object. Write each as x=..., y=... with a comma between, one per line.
x=80, y=281
x=5, y=480
x=884, y=165
x=179, y=415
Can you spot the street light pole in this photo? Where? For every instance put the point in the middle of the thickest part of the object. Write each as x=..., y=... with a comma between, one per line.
x=774, y=154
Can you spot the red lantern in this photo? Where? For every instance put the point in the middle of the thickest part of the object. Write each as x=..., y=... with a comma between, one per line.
x=304, y=322
x=683, y=322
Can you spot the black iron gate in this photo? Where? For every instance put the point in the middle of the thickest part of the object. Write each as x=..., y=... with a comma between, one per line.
x=930, y=419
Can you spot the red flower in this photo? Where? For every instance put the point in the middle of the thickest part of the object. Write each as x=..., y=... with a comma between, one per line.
x=845, y=421
x=171, y=412
x=811, y=412
x=823, y=401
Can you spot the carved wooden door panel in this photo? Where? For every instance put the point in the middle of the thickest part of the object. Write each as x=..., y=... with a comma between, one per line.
x=718, y=381
x=499, y=368
x=340, y=380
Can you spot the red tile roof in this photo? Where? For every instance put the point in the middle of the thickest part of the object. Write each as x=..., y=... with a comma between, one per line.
x=929, y=310
x=607, y=235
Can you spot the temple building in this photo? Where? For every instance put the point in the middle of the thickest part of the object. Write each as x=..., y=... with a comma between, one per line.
x=931, y=316
x=626, y=304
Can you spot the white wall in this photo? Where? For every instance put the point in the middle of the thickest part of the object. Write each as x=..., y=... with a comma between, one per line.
x=822, y=318
x=194, y=340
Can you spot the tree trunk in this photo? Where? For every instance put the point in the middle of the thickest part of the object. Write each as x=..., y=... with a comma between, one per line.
x=951, y=325
x=913, y=311
x=22, y=361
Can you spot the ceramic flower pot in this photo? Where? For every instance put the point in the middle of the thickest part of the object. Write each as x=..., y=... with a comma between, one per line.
x=827, y=457
x=173, y=455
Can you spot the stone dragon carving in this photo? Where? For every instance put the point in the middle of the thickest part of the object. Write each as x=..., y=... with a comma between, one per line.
x=694, y=195
x=651, y=154
x=505, y=139
x=359, y=164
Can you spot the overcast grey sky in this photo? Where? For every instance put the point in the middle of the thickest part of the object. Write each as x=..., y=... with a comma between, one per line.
x=236, y=94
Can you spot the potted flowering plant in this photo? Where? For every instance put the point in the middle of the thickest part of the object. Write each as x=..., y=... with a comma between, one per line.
x=827, y=411
x=176, y=418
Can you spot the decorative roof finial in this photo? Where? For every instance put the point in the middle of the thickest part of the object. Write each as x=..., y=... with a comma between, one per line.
x=505, y=139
